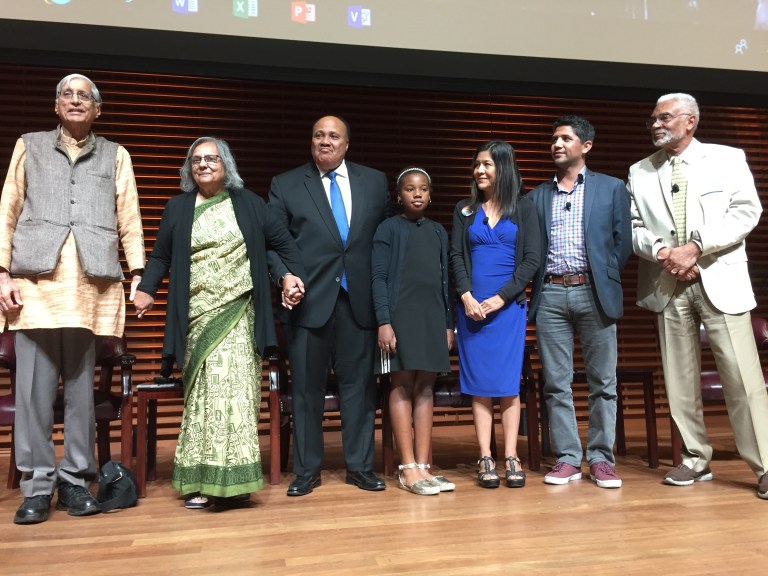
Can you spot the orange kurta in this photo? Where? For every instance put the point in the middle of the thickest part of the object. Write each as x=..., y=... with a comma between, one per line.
x=67, y=298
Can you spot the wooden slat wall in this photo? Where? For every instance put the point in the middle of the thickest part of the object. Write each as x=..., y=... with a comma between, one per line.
x=156, y=117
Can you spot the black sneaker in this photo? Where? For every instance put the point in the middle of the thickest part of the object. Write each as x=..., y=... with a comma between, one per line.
x=33, y=510
x=77, y=500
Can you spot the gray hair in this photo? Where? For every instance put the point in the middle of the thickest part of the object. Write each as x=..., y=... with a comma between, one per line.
x=67, y=79
x=232, y=177
x=688, y=101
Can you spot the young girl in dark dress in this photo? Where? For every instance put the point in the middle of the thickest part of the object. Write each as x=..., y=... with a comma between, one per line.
x=410, y=296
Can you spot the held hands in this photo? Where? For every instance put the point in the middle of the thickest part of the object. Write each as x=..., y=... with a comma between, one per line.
x=142, y=301
x=135, y=281
x=387, y=340
x=293, y=291
x=10, y=295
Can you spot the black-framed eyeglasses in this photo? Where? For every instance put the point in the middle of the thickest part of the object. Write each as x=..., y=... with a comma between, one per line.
x=663, y=119
x=209, y=159
x=81, y=95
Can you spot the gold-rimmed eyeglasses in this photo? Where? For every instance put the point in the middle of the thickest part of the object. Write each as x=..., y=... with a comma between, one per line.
x=208, y=158
x=663, y=119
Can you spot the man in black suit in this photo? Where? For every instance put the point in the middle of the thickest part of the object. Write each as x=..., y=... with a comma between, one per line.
x=334, y=324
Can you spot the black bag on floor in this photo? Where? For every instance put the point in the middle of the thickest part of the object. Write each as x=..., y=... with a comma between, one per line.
x=117, y=487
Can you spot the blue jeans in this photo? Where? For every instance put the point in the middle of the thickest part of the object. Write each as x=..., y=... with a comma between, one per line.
x=565, y=311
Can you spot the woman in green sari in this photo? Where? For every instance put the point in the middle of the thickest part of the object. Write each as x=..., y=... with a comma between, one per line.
x=213, y=239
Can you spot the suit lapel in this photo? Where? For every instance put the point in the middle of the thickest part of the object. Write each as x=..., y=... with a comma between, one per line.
x=697, y=170
x=663, y=168
x=589, y=197
x=357, y=188
x=547, y=199
x=317, y=195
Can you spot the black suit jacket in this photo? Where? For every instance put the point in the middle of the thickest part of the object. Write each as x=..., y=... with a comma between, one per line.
x=299, y=201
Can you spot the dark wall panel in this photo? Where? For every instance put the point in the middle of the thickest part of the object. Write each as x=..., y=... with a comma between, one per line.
x=157, y=116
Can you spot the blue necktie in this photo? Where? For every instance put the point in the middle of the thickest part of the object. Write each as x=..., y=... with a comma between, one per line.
x=340, y=215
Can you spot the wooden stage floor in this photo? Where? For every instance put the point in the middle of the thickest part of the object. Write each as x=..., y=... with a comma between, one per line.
x=646, y=527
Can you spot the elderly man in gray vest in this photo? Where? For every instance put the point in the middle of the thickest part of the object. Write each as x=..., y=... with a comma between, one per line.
x=68, y=199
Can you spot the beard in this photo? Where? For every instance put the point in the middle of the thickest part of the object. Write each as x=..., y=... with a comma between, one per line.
x=665, y=139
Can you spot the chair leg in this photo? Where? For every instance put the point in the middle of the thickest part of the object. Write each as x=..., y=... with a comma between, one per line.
x=546, y=446
x=387, y=436
x=285, y=442
x=126, y=435
x=532, y=415
x=677, y=443
x=141, y=445
x=621, y=435
x=151, y=439
x=274, y=438
x=649, y=400
x=102, y=441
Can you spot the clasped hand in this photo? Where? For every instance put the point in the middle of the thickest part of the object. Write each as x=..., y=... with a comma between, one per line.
x=479, y=310
x=293, y=291
x=680, y=262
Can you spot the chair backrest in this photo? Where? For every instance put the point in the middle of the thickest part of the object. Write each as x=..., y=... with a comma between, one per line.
x=109, y=353
x=8, y=351
x=8, y=361
x=759, y=329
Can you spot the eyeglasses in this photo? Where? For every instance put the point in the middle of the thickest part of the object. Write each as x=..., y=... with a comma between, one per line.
x=209, y=159
x=70, y=95
x=663, y=119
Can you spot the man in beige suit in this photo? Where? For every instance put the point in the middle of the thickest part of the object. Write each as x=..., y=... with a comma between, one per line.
x=693, y=205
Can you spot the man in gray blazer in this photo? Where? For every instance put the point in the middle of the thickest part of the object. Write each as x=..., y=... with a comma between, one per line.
x=332, y=208
x=586, y=241
x=693, y=205
x=68, y=197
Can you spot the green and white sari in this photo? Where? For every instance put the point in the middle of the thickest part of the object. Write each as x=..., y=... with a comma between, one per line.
x=218, y=448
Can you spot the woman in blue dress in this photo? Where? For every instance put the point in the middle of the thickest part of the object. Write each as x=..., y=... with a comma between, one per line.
x=494, y=254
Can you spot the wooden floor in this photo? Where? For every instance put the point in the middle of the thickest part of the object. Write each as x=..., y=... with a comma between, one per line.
x=711, y=528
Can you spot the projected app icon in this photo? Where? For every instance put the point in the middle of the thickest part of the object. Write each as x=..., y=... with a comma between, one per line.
x=245, y=8
x=357, y=16
x=185, y=6
x=303, y=12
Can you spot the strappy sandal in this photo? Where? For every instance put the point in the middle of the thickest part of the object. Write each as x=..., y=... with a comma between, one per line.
x=196, y=501
x=441, y=482
x=514, y=478
x=421, y=487
x=487, y=476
